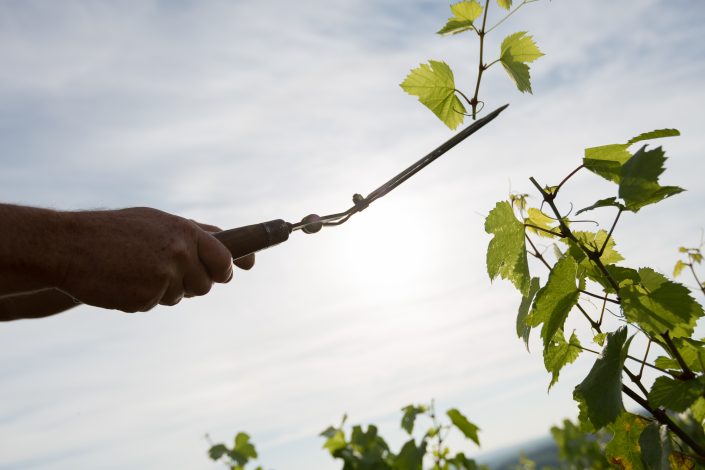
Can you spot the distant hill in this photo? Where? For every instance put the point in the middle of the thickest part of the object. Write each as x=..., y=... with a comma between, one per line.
x=542, y=451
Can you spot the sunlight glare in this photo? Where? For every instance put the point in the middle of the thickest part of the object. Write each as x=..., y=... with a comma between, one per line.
x=389, y=252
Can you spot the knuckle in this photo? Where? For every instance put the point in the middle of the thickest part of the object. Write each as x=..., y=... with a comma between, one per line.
x=162, y=279
x=203, y=288
x=171, y=302
x=179, y=250
x=147, y=296
x=147, y=307
x=133, y=306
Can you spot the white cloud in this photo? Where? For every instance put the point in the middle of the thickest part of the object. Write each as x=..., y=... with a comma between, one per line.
x=236, y=112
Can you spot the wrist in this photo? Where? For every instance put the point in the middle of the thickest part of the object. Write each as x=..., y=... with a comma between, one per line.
x=31, y=252
x=51, y=247
x=64, y=234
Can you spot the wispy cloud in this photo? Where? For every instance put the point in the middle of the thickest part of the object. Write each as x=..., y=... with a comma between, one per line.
x=237, y=112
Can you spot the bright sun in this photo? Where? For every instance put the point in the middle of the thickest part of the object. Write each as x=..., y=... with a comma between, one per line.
x=388, y=251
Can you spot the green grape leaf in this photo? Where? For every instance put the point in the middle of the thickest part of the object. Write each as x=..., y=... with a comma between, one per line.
x=464, y=14
x=657, y=134
x=434, y=85
x=410, y=456
x=409, y=416
x=520, y=47
x=242, y=450
x=328, y=432
x=655, y=445
x=519, y=73
x=692, y=352
x=678, y=268
x=658, y=305
x=506, y=4
x=595, y=242
x=667, y=363
x=461, y=462
x=516, y=51
x=369, y=444
x=469, y=10
x=466, y=427
x=674, y=394
x=607, y=160
x=698, y=410
x=506, y=253
x=579, y=448
x=217, y=451
x=524, y=330
x=555, y=300
x=608, y=202
x=623, y=450
x=623, y=276
x=583, y=419
x=681, y=461
x=600, y=339
x=638, y=185
x=541, y=220
x=335, y=439
x=560, y=353
x=455, y=26
x=601, y=391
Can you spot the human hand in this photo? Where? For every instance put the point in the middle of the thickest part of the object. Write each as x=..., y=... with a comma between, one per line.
x=133, y=259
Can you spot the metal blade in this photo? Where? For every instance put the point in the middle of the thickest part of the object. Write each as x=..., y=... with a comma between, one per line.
x=314, y=222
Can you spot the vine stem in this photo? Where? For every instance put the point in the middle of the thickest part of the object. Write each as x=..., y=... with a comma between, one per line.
x=536, y=252
x=635, y=359
x=605, y=298
x=482, y=67
x=609, y=235
x=535, y=227
x=593, y=324
x=659, y=414
x=539, y=256
x=602, y=312
x=593, y=255
x=687, y=373
x=560, y=185
x=636, y=380
x=641, y=371
x=438, y=435
x=585, y=349
x=695, y=276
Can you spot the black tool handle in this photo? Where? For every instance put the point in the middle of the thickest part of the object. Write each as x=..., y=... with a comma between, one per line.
x=243, y=241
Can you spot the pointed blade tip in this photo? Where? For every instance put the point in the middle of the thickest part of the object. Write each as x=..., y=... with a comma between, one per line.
x=500, y=109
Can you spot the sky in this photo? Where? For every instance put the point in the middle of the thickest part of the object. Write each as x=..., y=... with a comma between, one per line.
x=233, y=113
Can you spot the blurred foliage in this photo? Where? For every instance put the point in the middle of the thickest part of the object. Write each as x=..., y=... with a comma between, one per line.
x=236, y=457
x=366, y=450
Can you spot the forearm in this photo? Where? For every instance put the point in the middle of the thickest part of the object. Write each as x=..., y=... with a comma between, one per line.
x=32, y=249
x=38, y=304
x=129, y=259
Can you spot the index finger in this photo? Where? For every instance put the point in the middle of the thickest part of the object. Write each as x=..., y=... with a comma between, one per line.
x=245, y=262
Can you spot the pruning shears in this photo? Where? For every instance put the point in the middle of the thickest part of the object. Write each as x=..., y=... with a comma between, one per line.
x=243, y=241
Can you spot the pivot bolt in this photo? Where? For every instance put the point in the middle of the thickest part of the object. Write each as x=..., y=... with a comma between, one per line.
x=312, y=223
